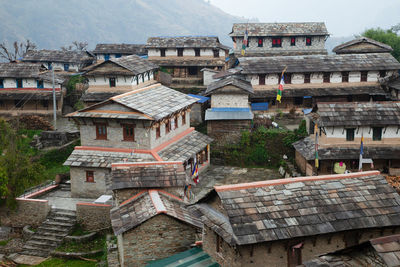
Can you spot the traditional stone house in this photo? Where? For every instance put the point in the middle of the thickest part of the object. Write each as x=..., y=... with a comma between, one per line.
x=151, y=225
x=147, y=124
x=284, y=39
x=27, y=89
x=184, y=57
x=70, y=61
x=109, y=51
x=362, y=45
x=287, y=221
x=317, y=78
x=117, y=76
x=230, y=109
x=340, y=128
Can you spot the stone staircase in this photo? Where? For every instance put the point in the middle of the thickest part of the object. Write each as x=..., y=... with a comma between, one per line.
x=66, y=186
x=50, y=234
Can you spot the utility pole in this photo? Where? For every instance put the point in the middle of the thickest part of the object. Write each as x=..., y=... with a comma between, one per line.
x=54, y=102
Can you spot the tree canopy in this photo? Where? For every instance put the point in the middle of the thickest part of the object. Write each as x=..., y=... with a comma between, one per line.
x=389, y=37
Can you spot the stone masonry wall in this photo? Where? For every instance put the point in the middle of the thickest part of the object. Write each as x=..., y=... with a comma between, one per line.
x=93, y=216
x=227, y=131
x=157, y=238
x=81, y=188
x=29, y=212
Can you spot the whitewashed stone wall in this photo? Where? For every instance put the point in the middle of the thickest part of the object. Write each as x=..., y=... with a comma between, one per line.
x=26, y=83
x=231, y=100
x=190, y=52
x=120, y=80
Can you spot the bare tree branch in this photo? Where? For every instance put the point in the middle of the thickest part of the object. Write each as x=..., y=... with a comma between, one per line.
x=75, y=46
x=17, y=50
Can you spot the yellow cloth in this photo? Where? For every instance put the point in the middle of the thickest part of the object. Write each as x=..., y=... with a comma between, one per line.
x=339, y=169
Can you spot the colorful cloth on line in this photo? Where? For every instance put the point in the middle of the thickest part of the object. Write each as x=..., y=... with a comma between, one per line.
x=280, y=89
x=195, y=172
x=245, y=42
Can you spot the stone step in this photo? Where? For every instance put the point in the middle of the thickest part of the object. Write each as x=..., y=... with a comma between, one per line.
x=35, y=252
x=58, y=224
x=53, y=229
x=56, y=235
x=51, y=239
x=62, y=219
x=42, y=244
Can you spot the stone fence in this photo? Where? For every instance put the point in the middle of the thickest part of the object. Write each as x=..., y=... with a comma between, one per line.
x=93, y=216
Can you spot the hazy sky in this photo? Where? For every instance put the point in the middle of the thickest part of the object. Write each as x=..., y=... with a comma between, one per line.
x=342, y=17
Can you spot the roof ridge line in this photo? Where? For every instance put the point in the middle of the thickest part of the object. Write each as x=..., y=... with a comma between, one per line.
x=157, y=201
x=132, y=198
x=136, y=91
x=235, y=187
x=148, y=163
x=173, y=140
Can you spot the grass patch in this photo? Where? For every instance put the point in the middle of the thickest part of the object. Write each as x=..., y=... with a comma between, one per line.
x=58, y=262
x=95, y=244
x=78, y=230
x=32, y=229
x=4, y=242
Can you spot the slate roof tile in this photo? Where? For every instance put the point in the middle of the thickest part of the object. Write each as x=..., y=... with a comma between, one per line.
x=185, y=42
x=78, y=57
x=125, y=49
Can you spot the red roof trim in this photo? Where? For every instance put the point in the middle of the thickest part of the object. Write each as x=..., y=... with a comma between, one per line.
x=131, y=164
x=293, y=180
x=385, y=239
x=133, y=198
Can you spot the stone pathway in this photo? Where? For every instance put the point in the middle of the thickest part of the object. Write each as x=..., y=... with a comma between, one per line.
x=61, y=199
x=50, y=234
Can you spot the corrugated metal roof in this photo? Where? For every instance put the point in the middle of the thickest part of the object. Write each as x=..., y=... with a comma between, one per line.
x=228, y=114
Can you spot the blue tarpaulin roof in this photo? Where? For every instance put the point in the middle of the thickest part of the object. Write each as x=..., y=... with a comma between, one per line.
x=307, y=110
x=201, y=98
x=190, y=258
x=259, y=106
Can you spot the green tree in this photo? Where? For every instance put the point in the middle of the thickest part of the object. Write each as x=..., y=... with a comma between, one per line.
x=389, y=37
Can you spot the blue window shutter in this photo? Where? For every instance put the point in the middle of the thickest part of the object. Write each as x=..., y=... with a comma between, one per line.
x=106, y=57
x=50, y=67
x=66, y=67
x=118, y=55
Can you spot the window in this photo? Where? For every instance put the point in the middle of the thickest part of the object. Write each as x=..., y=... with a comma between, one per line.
x=19, y=83
x=106, y=57
x=112, y=82
x=350, y=134
x=45, y=103
x=276, y=42
x=287, y=78
x=260, y=42
x=101, y=131
x=184, y=118
x=345, y=77
x=158, y=131
x=18, y=103
x=180, y=52
x=298, y=100
x=192, y=71
x=40, y=84
x=294, y=255
x=293, y=41
x=307, y=77
x=66, y=67
x=261, y=79
x=218, y=244
x=90, y=176
x=197, y=52
x=167, y=127
x=308, y=41
x=49, y=65
x=327, y=77
x=376, y=133
x=118, y=55
x=382, y=73
x=176, y=122
x=364, y=76
x=216, y=52
x=128, y=132
x=1, y=83
x=162, y=52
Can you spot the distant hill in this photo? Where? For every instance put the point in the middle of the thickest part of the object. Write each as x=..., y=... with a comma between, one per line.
x=52, y=23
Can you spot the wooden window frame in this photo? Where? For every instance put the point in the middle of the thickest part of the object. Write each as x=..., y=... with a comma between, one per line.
x=308, y=41
x=158, y=131
x=90, y=177
x=292, y=41
x=183, y=118
x=99, y=135
x=18, y=81
x=128, y=136
x=345, y=76
x=162, y=52
x=168, y=127
x=307, y=77
x=40, y=84
x=218, y=244
x=179, y=52
x=291, y=259
x=326, y=77
x=197, y=52
x=364, y=76
x=382, y=73
x=216, y=53
x=1, y=83
x=176, y=122
x=261, y=79
x=66, y=66
x=114, y=83
x=276, y=42
x=287, y=78
x=260, y=42
x=350, y=137
x=374, y=136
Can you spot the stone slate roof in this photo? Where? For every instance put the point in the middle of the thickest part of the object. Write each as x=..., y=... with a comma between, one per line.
x=359, y=114
x=132, y=63
x=185, y=42
x=97, y=96
x=230, y=80
x=395, y=84
x=339, y=90
x=28, y=70
x=140, y=175
x=188, y=62
x=374, y=47
x=186, y=147
x=78, y=57
x=299, y=207
x=279, y=29
x=306, y=147
x=145, y=206
x=28, y=94
x=125, y=49
x=388, y=248
x=95, y=158
x=319, y=63
x=153, y=102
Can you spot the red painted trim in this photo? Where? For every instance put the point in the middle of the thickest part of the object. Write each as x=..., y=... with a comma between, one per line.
x=154, y=205
x=198, y=243
x=293, y=180
x=131, y=164
x=92, y=204
x=136, y=91
x=30, y=89
x=134, y=197
x=41, y=191
x=174, y=139
x=385, y=239
x=33, y=200
x=169, y=194
x=156, y=156
x=105, y=149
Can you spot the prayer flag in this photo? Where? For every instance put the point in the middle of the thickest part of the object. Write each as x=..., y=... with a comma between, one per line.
x=195, y=172
x=316, y=146
x=362, y=160
x=245, y=42
x=280, y=89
